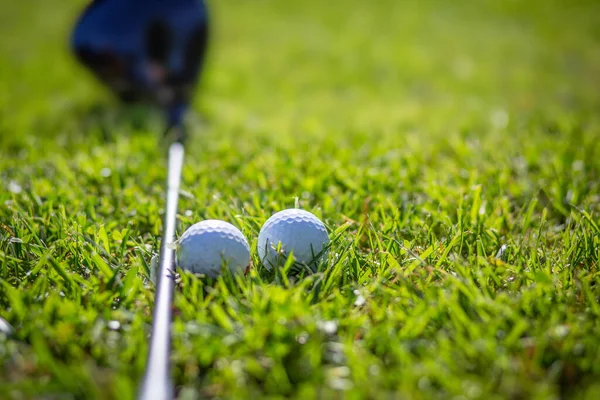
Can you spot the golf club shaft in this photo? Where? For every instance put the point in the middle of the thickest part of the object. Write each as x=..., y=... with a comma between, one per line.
x=157, y=384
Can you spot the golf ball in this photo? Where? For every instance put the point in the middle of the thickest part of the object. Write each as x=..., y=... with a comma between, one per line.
x=207, y=245
x=296, y=231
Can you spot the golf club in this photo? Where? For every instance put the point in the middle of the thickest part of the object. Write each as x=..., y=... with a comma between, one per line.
x=151, y=51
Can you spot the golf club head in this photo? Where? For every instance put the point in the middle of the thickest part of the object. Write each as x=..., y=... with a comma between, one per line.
x=145, y=50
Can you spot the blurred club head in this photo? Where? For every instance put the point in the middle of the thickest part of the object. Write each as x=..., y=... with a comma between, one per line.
x=145, y=50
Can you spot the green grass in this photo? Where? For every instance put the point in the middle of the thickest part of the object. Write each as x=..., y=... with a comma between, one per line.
x=427, y=135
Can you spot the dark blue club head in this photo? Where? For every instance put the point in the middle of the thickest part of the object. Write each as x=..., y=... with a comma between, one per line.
x=145, y=50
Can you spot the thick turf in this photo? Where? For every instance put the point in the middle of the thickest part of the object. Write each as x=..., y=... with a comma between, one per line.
x=451, y=147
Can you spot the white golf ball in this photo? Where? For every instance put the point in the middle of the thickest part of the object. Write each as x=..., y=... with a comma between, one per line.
x=296, y=231
x=204, y=247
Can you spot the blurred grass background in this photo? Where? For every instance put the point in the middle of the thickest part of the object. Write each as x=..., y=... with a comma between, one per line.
x=426, y=134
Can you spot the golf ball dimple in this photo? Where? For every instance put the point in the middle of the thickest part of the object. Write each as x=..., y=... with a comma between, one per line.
x=296, y=231
x=205, y=246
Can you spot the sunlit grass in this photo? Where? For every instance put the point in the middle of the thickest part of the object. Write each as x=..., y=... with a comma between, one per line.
x=450, y=148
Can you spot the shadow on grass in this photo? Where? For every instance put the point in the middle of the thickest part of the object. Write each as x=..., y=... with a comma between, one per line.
x=104, y=121
x=85, y=125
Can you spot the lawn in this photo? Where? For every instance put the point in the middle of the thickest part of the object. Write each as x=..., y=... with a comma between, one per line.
x=451, y=147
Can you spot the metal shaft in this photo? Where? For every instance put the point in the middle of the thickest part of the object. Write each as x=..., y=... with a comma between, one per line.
x=157, y=384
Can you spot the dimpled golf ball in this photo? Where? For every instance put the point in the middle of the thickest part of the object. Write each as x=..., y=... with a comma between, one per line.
x=205, y=246
x=296, y=231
